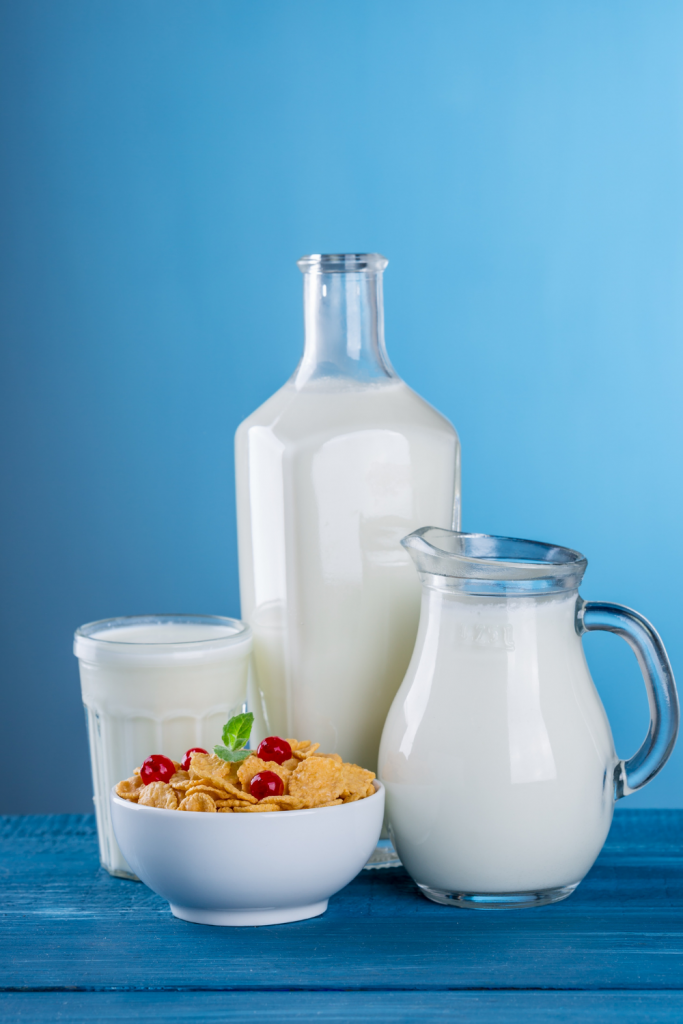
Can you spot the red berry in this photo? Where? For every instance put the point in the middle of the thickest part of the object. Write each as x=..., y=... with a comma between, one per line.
x=272, y=748
x=157, y=768
x=188, y=756
x=266, y=784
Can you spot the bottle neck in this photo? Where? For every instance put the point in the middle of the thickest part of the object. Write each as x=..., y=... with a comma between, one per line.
x=344, y=326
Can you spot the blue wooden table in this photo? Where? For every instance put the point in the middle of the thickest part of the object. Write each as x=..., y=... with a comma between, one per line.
x=78, y=945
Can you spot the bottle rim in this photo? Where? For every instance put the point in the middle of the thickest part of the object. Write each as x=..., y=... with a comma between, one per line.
x=343, y=263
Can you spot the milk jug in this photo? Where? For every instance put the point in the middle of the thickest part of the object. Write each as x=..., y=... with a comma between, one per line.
x=332, y=471
x=497, y=756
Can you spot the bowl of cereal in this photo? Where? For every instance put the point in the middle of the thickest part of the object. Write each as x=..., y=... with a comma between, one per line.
x=266, y=838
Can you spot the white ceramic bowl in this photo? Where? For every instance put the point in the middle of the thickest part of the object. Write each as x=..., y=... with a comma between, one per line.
x=248, y=869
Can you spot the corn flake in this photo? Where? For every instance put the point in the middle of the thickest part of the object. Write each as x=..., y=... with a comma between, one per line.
x=254, y=808
x=232, y=792
x=130, y=789
x=316, y=781
x=198, y=802
x=211, y=791
x=306, y=750
x=285, y=802
x=356, y=782
x=208, y=766
x=158, y=794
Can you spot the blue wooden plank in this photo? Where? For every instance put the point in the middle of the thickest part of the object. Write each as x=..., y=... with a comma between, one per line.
x=389, y=1007
x=67, y=924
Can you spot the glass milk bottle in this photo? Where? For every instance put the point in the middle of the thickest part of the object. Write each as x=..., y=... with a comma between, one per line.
x=497, y=756
x=332, y=471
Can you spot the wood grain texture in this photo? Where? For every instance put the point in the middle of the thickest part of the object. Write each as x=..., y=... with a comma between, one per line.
x=67, y=925
x=389, y=1007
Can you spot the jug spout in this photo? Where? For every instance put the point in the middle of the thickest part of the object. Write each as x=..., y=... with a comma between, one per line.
x=480, y=563
x=415, y=545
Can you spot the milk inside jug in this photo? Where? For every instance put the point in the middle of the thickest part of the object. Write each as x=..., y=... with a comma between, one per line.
x=497, y=755
x=332, y=471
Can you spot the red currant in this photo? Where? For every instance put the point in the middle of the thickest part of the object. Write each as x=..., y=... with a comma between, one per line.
x=188, y=756
x=272, y=748
x=266, y=784
x=157, y=768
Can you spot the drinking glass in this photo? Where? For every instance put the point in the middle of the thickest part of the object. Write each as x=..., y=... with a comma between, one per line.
x=155, y=684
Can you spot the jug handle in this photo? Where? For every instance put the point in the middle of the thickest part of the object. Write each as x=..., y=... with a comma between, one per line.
x=654, y=663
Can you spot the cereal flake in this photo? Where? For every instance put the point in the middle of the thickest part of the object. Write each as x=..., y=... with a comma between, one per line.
x=159, y=794
x=130, y=789
x=316, y=781
x=198, y=802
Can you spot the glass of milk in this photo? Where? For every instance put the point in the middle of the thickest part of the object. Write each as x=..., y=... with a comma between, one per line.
x=155, y=684
x=497, y=755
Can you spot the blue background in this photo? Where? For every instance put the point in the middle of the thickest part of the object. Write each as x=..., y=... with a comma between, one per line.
x=165, y=163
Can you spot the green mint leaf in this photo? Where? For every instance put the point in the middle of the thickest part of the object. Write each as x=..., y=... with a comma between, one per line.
x=231, y=755
x=236, y=733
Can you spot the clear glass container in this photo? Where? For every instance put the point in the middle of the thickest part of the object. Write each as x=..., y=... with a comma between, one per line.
x=155, y=684
x=497, y=756
x=331, y=472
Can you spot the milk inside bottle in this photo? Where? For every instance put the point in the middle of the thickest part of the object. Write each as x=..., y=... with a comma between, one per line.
x=332, y=471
